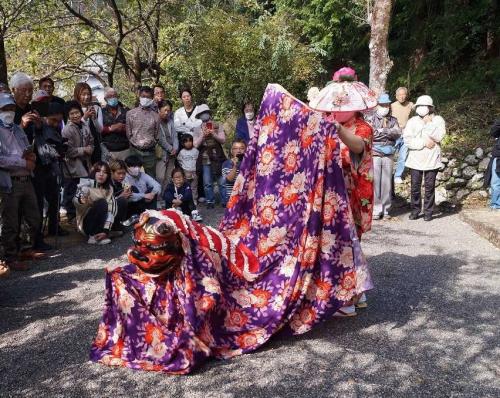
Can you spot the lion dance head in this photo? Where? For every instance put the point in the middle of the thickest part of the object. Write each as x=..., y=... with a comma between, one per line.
x=157, y=246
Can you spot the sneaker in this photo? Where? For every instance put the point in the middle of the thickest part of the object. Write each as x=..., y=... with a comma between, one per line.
x=428, y=217
x=195, y=216
x=201, y=199
x=398, y=180
x=378, y=216
x=4, y=269
x=131, y=221
x=93, y=241
x=347, y=311
x=362, y=302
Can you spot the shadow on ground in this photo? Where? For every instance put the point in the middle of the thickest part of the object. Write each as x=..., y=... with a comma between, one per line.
x=421, y=334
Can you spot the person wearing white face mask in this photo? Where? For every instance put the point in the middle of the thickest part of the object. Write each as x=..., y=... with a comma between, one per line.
x=144, y=188
x=422, y=135
x=386, y=131
x=245, y=124
x=143, y=130
x=17, y=195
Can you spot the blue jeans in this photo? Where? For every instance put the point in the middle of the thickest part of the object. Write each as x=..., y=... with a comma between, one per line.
x=495, y=186
x=403, y=154
x=208, y=184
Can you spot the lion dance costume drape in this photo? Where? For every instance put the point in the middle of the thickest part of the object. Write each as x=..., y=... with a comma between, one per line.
x=286, y=255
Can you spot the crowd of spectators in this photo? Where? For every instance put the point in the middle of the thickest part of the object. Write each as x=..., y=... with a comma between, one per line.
x=101, y=165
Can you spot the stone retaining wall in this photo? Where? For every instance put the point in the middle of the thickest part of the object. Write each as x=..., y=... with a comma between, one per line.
x=459, y=179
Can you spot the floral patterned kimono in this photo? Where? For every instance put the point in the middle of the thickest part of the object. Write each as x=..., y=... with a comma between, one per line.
x=358, y=174
x=286, y=256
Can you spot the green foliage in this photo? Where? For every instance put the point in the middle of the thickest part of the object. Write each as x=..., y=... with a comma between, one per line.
x=337, y=28
x=228, y=58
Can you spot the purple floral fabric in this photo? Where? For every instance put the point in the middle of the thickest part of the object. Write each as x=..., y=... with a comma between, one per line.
x=287, y=256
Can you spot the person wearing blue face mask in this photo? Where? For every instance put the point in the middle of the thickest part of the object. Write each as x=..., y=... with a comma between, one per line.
x=114, y=134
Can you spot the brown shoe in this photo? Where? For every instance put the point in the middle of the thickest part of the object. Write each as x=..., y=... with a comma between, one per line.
x=31, y=254
x=4, y=269
x=18, y=266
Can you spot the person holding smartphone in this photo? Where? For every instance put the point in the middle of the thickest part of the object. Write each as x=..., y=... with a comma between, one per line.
x=99, y=213
x=208, y=138
x=231, y=167
x=92, y=117
x=77, y=162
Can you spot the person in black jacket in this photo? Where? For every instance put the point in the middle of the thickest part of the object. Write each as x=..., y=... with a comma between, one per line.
x=492, y=177
x=114, y=134
x=385, y=133
x=178, y=194
x=48, y=178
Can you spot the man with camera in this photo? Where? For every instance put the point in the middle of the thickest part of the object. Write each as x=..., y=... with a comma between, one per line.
x=50, y=149
x=231, y=167
x=17, y=162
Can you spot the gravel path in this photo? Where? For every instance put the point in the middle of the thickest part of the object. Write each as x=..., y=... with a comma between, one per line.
x=431, y=329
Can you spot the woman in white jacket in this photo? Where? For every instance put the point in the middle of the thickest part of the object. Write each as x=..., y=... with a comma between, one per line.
x=185, y=121
x=422, y=135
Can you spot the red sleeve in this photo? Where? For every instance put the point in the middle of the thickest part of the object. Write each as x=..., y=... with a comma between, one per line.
x=364, y=130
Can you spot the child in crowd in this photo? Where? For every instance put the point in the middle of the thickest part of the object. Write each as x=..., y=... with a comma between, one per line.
x=98, y=212
x=144, y=188
x=231, y=167
x=121, y=190
x=179, y=195
x=187, y=158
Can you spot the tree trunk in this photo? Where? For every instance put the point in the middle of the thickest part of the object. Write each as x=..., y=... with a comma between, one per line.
x=3, y=62
x=492, y=38
x=380, y=63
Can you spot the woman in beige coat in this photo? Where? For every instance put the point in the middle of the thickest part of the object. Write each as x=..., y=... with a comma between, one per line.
x=422, y=135
x=77, y=161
